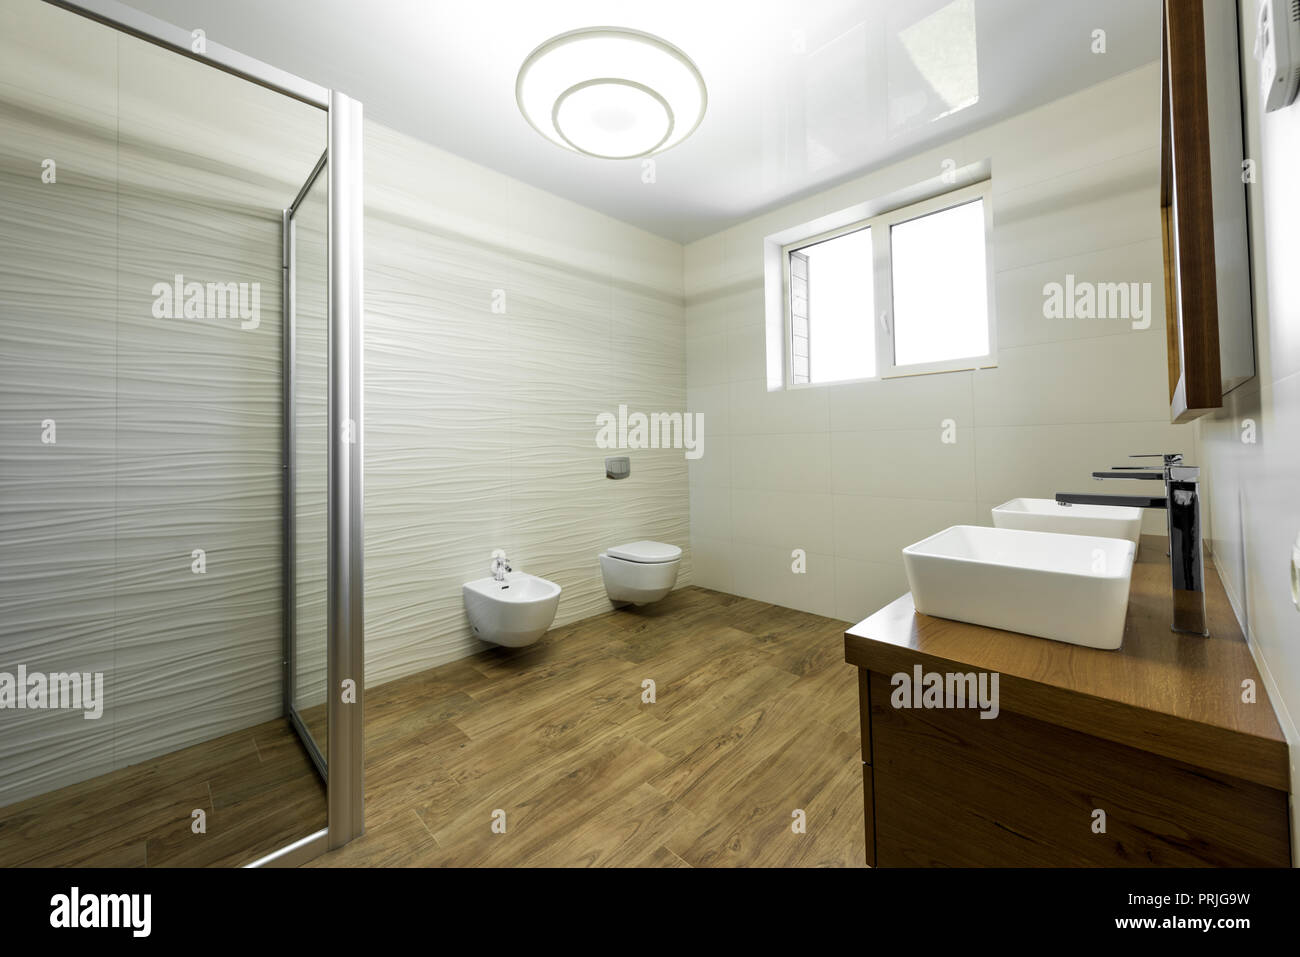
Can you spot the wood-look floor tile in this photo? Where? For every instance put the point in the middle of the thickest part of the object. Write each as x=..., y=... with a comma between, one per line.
x=749, y=823
x=257, y=788
x=626, y=831
x=243, y=832
x=659, y=857
x=756, y=714
x=545, y=807
x=398, y=841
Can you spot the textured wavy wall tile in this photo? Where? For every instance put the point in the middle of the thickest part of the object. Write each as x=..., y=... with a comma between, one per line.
x=57, y=381
x=481, y=424
x=168, y=429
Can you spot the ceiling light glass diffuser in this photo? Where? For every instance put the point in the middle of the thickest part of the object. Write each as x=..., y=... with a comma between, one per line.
x=611, y=93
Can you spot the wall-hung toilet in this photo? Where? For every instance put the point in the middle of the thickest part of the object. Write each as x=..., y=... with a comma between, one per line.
x=639, y=572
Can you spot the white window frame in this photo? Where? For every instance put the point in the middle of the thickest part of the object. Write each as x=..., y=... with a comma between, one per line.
x=883, y=288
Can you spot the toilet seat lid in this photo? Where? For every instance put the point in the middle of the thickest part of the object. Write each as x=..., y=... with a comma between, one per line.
x=645, y=552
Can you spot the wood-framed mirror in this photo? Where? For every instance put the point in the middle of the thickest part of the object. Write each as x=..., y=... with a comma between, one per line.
x=1203, y=181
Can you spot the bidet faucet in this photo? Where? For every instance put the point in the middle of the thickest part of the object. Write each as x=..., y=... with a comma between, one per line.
x=500, y=566
x=1182, y=505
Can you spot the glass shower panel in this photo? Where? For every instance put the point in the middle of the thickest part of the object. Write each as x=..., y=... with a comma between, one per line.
x=58, y=393
x=198, y=408
x=141, y=452
x=310, y=316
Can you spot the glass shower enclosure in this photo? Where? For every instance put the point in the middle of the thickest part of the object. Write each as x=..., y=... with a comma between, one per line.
x=306, y=487
x=181, y=670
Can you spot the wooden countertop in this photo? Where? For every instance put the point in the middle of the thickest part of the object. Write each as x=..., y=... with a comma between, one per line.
x=1174, y=695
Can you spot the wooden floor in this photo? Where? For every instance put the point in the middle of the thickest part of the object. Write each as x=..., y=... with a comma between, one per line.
x=257, y=788
x=756, y=716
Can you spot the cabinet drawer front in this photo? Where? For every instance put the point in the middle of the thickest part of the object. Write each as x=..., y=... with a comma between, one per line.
x=950, y=788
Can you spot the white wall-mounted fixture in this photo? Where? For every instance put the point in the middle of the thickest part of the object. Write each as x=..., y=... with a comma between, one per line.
x=512, y=612
x=639, y=573
x=1277, y=48
x=611, y=93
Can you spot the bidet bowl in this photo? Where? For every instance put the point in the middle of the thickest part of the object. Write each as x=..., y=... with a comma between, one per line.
x=1047, y=515
x=514, y=612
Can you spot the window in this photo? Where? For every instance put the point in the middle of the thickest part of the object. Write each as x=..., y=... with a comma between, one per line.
x=902, y=293
x=940, y=299
x=845, y=345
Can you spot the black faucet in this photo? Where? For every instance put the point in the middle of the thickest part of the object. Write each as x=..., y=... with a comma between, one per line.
x=1182, y=505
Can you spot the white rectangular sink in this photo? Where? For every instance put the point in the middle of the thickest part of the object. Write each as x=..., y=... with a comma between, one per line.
x=1071, y=588
x=1048, y=515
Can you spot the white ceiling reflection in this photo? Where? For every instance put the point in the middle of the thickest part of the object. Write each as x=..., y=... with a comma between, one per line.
x=803, y=94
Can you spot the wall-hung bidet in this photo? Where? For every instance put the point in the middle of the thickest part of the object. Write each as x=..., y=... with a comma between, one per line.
x=510, y=608
x=639, y=572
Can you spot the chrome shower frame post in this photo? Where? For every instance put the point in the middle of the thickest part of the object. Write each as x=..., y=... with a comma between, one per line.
x=288, y=454
x=346, y=460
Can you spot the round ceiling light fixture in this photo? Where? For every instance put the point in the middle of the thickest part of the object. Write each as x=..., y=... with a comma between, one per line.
x=611, y=93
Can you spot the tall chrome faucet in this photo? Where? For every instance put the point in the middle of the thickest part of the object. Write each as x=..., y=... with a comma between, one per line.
x=1182, y=505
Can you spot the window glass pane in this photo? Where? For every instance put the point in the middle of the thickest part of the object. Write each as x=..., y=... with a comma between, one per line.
x=940, y=299
x=831, y=335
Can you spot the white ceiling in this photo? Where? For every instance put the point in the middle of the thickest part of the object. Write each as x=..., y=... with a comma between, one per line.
x=802, y=93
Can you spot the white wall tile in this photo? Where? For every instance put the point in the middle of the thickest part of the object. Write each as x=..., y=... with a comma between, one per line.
x=714, y=403
x=862, y=588
x=782, y=520
x=711, y=512
x=704, y=265
x=766, y=573
x=1020, y=297
x=708, y=360
x=755, y=410
x=713, y=565
x=1064, y=398
x=1115, y=203
x=893, y=463
x=909, y=402
x=792, y=463
x=878, y=529
x=1118, y=117
x=1103, y=379
x=1254, y=518
x=747, y=352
